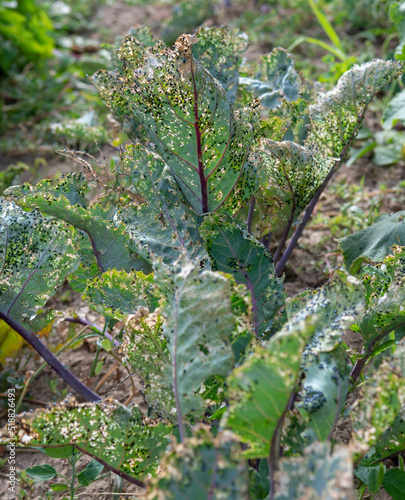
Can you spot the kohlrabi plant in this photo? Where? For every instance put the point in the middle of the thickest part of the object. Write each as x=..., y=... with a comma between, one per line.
x=243, y=386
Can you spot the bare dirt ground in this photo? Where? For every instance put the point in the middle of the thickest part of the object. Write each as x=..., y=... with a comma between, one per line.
x=300, y=274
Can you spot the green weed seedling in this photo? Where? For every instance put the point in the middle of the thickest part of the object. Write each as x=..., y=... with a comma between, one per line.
x=185, y=245
x=61, y=483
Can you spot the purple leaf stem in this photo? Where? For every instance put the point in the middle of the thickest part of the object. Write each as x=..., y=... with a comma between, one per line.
x=52, y=361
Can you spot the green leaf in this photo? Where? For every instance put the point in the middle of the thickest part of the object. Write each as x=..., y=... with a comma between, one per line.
x=336, y=305
x=397, y=14
x=90, y=473
x=41, y=472
x=395, y=111
x=384, y=284
x=59, y=487
x=380, y=401
x=202, y=467
x=220, y=51
x=162, y=225
x=293, y=173
x=337, y=115
x=332, y=308
x=110, y=244
x=234, y=251
x=252, y=177
x=124, y=440
x=327, y=27
x=10, y=342
x=186, y=114
x=63, y=452
x=259, y=390
x=146, y=354
x=72, y=186
x=371, y=476
x=319, y=475
x=394, y=483
x=198, y=327
x=276, y=79
x=36, y=256
x=375, y=242
x=324, y=391
x=390, y=442
x=117, y=293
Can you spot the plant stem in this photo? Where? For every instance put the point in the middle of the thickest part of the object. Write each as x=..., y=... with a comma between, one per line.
x=201, y=174
x=63, y=348
x=28, y=377
x=86, y=322
x=275, y=454
x=174, y=375
x=361, y=363
x=266, y=239
x=294, y=240
x=250, y=214
x=52, y=361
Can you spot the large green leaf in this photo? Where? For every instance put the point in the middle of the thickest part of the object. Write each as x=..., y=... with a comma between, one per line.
x=261, y=388
x=125, y=440
x=220, y=51
x=338, y=114
x=324, y=391
x=234, y=251
x=336, y=305
x=202, y=353
x=321, y=474
x=293, y=173
x=202, y=467
x=187, y=115
x=394, y=483
x=162, y=224
x=374, y=242
x=276, y=79
x=198, y=328
x=36, y=256
x=111, y=246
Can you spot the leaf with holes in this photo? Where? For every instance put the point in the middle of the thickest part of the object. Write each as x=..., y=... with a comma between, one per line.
x=220, y=51
x=202, y=467
x=162, y=225
x=293, y=173
x=199, y=343
x=236, y=252
x=126, y=441
x=187, y=115
x=110, y=245
x=117, y=293
x=385, y=297
x=276, y=79
x=338, y=114
x=259, y=390
x=378, y=409
x=36, y=256
x=146, y=353
x=320, y=474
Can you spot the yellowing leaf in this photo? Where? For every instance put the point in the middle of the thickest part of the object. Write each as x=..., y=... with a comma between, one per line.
x=10, y=341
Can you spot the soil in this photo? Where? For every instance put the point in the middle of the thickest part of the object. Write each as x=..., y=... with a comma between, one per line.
x=301, y=273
